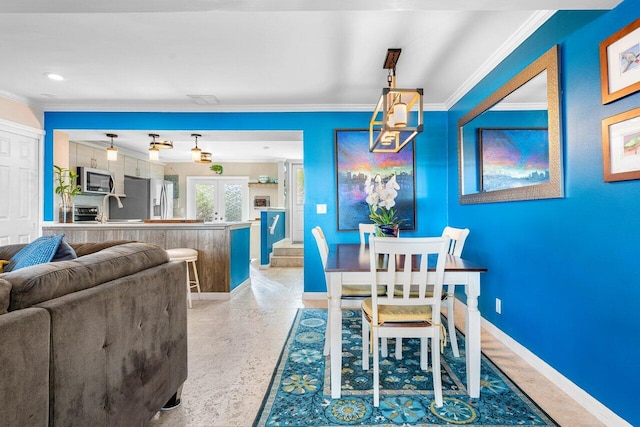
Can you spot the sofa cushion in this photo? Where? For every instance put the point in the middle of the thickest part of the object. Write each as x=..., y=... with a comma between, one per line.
x=83, y=249
x=33, y=285
x=39, y=251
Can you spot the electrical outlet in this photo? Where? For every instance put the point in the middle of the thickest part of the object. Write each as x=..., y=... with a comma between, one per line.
x=321, y=208
x=498, y=306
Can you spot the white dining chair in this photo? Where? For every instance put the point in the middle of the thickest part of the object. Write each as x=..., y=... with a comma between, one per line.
x=409, y=314
x=351, y=296
x=457, y=237
x=365, y=230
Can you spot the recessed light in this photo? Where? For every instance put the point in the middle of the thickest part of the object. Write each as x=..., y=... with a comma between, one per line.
x=266, y=147
x=54, y=76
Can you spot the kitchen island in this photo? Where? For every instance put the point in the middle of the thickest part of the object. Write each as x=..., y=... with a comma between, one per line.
x=223, y=248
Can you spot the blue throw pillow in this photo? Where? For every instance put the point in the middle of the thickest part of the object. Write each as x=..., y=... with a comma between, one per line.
x=39, y=251
x=64, y=253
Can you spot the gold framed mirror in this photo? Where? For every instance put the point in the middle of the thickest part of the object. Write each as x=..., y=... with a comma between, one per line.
x=509, y=145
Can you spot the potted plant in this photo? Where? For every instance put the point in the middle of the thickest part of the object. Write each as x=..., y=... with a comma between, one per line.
x=67, y=188
x=381, y=199
x=217, y=169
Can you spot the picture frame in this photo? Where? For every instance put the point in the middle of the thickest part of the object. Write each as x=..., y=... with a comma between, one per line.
x=621, y=146
x=512, y=158
x=620, y=63
x=354, y=162
x=261, y=201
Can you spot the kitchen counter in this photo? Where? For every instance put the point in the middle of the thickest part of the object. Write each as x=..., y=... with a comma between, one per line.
x=223, y=248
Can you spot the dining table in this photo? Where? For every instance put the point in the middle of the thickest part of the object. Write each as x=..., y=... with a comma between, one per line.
x=349, y=264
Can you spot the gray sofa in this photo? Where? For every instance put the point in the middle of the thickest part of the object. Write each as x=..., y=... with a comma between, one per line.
x=100, y=340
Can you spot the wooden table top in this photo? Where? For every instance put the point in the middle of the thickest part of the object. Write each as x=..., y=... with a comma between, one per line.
x=353, y=257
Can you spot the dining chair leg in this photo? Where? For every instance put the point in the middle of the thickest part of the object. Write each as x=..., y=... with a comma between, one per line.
x=376, y=369
x=384, y=349
x=366, y=330
x=398, y=348
x=435, y=369
x=424, y=354
x=327, y=334
x=451, y=323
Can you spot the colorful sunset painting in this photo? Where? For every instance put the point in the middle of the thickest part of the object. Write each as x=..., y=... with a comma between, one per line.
x=354, y=163
x=512, y=158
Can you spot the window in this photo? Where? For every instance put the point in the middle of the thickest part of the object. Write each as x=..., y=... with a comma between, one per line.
x=215, y=199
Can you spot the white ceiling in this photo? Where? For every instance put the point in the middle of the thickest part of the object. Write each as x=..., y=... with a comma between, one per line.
x=253, y=55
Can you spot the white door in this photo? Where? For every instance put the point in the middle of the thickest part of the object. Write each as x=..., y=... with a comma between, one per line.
x=297, y=202
x=217, y=199
x=19, y=186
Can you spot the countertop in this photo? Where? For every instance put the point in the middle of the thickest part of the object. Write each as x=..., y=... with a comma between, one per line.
x=143, y=225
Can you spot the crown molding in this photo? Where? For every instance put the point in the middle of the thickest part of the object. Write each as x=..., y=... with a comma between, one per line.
x=534, y=22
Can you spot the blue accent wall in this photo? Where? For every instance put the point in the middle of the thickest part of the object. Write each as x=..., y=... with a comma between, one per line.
x=565, y=269
x=240, y=258
x=266, y=238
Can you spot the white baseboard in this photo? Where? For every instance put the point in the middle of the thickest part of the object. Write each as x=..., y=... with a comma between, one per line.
x=584, y=399
x=314, y=295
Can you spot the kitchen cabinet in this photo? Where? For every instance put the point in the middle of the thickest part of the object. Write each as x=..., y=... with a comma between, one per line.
x=136, y=167
x=117, y=171
x=156, y=170
x=91, y=157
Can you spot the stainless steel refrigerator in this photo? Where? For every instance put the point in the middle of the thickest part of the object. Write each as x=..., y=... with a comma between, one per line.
x=145, y=199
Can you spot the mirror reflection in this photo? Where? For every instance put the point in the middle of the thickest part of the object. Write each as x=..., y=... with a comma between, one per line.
x=509, y=145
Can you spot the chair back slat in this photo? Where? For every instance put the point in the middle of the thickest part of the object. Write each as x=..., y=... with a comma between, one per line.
x=458, y=236
x=365, y=229
x=403, y=263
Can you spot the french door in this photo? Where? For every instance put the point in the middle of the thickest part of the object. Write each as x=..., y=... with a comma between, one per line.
x=218, y=199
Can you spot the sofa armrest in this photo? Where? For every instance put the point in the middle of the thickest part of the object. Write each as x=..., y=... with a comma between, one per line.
x=24, y=367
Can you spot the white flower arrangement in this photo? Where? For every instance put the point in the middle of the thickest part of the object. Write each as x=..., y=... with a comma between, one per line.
x=381, y=199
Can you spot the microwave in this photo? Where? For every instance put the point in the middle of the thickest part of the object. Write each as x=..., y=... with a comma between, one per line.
x=95, y=181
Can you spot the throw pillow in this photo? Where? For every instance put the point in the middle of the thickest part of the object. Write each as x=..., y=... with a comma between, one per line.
x=2, y=264
x=64, y=253
x=39, y=251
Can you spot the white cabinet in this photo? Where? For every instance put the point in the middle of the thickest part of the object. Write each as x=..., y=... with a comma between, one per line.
x=136, y=167
x=117, y=170
x=91, y=157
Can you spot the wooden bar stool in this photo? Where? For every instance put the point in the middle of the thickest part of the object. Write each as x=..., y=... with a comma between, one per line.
x=190, y=256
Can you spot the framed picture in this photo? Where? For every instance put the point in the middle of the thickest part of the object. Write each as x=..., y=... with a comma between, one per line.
x=620, y=63
x=512, y=157
x=261, y=202
x=354, y=164
x=621, y=146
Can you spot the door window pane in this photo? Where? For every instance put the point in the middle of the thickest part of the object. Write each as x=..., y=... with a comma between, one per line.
x=233, y=202
x=205, y=202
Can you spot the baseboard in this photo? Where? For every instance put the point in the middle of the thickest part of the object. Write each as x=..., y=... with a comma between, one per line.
x=314, y=295
x=242, y=285
x=584, y=399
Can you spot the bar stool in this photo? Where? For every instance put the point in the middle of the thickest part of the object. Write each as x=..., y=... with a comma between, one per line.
x=190, y=256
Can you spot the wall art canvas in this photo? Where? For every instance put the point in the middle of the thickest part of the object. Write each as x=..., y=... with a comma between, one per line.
x=621, y=146
x=513, y=158
x=620, y=63
x=354, y=163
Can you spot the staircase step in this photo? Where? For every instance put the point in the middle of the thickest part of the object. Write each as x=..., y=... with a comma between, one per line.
x=288, y=251
x=287, y=261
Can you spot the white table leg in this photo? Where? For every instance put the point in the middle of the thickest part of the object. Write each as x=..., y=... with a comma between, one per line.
x=472, y=335
x=335, y=326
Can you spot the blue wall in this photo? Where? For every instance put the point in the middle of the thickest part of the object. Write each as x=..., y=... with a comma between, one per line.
x=319, y=162
x=565, y=269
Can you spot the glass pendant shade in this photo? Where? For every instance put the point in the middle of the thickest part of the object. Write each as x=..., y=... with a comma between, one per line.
x=195, y=154
x=112, y=154
x=154, y=153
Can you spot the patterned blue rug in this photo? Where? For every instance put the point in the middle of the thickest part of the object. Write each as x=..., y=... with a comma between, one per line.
x=299, y=392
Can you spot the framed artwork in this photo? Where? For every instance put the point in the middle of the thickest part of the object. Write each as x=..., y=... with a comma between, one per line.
x=621, y=146
x=354, y=164
x=620, y=63
x=261, y=201
x=512, y=157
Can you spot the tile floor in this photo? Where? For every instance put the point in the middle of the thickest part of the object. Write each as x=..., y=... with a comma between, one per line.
x=234, y=346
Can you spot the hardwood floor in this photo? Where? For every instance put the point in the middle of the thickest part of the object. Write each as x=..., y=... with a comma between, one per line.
x=234, y=346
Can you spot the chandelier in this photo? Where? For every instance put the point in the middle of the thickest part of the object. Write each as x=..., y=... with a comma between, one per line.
x=397, y=118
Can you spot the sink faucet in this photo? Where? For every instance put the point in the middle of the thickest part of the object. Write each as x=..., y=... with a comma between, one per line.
x=103, y=218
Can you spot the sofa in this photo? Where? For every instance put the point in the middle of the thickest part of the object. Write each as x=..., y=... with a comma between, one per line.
x=98, y=340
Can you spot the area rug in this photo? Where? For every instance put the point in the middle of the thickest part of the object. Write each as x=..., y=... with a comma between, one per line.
x=299, y=393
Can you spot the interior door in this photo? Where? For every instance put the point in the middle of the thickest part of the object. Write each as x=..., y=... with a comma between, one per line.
x=297, y=202
x=216, y=199
x=19, y=183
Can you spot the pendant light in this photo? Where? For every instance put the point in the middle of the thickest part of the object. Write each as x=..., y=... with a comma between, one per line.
x=112, y=152
x=392, y=125
x=154, y=152
x=195, y=151
x=204, y=157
